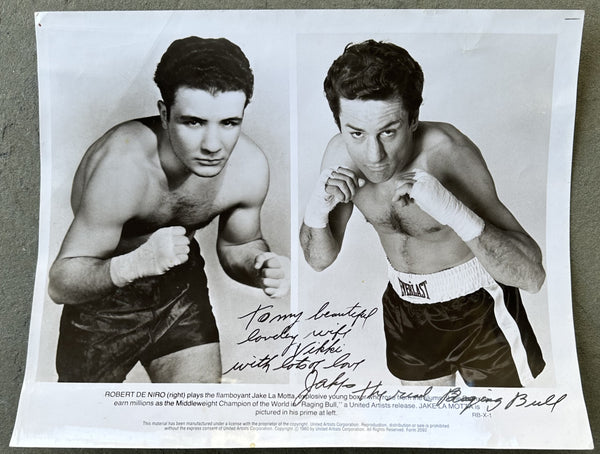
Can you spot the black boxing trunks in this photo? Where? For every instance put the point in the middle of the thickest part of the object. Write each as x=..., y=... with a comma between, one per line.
x=102, y=340
x=459, y=320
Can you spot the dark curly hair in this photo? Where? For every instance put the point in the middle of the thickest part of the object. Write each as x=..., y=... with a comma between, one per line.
x=374, y=70
x=211, y=64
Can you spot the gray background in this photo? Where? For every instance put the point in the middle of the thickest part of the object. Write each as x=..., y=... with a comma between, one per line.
x=19, y=178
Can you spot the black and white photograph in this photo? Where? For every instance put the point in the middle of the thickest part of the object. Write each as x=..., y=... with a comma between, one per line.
x=443, y=157
x=166, y=169
x=302, y=228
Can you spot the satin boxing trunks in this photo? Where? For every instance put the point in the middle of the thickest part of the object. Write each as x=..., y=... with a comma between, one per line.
x=101, y=341
x=459, y=320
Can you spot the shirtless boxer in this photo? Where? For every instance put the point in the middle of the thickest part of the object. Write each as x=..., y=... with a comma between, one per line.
x=456, y=255
x=129, y=272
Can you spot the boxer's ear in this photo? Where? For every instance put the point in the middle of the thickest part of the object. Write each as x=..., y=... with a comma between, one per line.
x=164, y=113
x=415, y=122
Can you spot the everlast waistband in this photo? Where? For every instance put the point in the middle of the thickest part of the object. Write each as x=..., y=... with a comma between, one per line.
x=441, y=286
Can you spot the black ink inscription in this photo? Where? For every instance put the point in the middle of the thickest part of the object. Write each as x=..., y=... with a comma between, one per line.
x=355, y=312
x=312, y=382
x=263, y=363
x=262, y=315
x=371, y=391
x=320, y=349
x=455, y=395
x=321, y=353
x=523, y=400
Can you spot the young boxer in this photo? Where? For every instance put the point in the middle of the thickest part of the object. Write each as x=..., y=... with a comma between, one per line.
x=456, y=255
x=129, y=272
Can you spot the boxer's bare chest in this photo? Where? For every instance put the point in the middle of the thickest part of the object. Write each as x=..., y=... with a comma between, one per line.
x=387, y=217
x=412, y=240
x=192, y=206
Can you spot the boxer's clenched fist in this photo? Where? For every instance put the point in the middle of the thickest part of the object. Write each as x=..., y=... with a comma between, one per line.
x=274, y=273
x=439, y=203
x=335, y=185
x=164, y=249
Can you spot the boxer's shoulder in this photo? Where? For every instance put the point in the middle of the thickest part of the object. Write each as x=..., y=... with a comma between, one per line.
x=247, y=152
x=445, y=150
x=132, y=140
x=120, y=168
x=437, y=137
x=131, y=146
x=246, y=176
x=336, y=154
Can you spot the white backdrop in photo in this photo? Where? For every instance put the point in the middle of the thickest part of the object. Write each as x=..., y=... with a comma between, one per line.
x=495, y=88
x=101, y=75
x=507, y=79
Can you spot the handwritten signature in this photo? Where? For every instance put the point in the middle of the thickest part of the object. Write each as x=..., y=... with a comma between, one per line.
x=455, y=395
x=355, y=312
x=321, y=350
x=313, y=383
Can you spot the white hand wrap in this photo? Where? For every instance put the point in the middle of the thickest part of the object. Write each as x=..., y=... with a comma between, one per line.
x=164, y=249
x=444, y=207
x=320, y=203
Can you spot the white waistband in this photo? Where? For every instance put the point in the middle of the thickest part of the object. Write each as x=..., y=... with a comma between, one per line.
x=441, y=286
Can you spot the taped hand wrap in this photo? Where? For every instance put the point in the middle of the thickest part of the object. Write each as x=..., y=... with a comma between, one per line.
x=320, y=203
x=164, y=249
x=444, y=207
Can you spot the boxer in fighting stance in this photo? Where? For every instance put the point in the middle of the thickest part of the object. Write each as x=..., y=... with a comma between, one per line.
x=456, y=255
x=129, y=272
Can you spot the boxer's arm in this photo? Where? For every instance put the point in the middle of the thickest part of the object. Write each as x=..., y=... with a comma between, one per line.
x=321, y=246
x=243, y=253
x=511, y=257
x=239, y=242
x=504, y=248
x=488, y=228
x=245, y=256
x=87, y=266
x=81, y=272
x=330, y=207
x=79, y=276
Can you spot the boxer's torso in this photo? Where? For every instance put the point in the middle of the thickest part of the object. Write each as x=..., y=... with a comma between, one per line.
x=413, y=241
x=193, y=203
